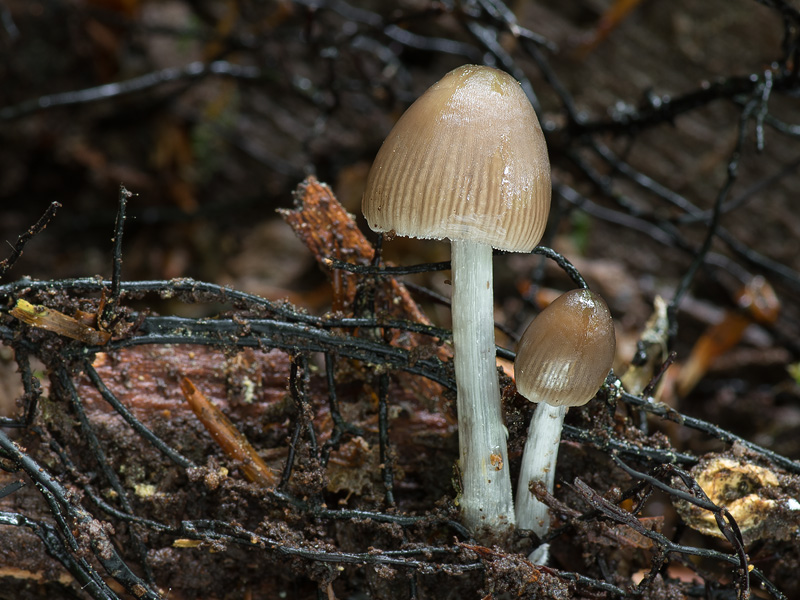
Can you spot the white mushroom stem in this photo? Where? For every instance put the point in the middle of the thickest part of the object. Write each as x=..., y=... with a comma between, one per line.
x=539, y=464
x=487, y=505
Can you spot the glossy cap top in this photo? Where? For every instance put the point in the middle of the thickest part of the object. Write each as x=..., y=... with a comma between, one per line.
x=466, y=161
x=566, y=353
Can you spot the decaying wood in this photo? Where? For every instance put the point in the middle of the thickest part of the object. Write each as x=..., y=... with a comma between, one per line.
x=329, y=231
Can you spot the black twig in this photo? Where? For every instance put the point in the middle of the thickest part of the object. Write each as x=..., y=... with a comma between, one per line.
x=105, y=552
x=711, y=233
x=304, y=416
x=135, y=423
x=55, y=547
x=106, y=318
x=12, y=487
x=666, y=109
x=562, y=262
x=88, y=433
x=648, y=390
x=190, y=72
x=662, y=410
x=386, y=457
x=387, y=271
x=340, y=426
x=32, y=390
x=22, y=240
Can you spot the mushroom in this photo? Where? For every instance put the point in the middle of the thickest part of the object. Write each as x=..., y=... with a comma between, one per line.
x=563, y=358
x=467, y=161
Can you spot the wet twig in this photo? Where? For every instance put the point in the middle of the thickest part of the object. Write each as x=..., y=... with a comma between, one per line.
x=22, y=240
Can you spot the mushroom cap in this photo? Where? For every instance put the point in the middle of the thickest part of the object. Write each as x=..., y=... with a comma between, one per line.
x=566, y=353
x=466, y=161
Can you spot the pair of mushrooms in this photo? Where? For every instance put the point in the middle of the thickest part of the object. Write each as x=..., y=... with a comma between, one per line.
x=468, y=161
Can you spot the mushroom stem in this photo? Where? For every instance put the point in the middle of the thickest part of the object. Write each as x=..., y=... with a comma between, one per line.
x=487, y=505
x=539, y=464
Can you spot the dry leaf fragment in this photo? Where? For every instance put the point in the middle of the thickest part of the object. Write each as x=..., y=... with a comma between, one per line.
x=739, y=486
x=654, y=349
x=230, y=439
x=47, y=318
x=609, y=21
x=757, y=303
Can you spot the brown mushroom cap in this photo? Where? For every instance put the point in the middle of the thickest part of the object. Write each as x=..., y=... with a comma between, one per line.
x=466, y=161
x=566, y=353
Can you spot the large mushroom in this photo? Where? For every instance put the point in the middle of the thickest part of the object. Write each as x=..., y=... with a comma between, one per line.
x=562, y=360
x=468, y=161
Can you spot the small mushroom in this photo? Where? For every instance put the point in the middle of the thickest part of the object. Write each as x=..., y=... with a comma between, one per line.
x=562, y=360
x=468, y=161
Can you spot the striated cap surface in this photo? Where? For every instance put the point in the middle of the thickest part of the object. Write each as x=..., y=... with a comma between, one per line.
x=466, y=161
x=567, y=351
